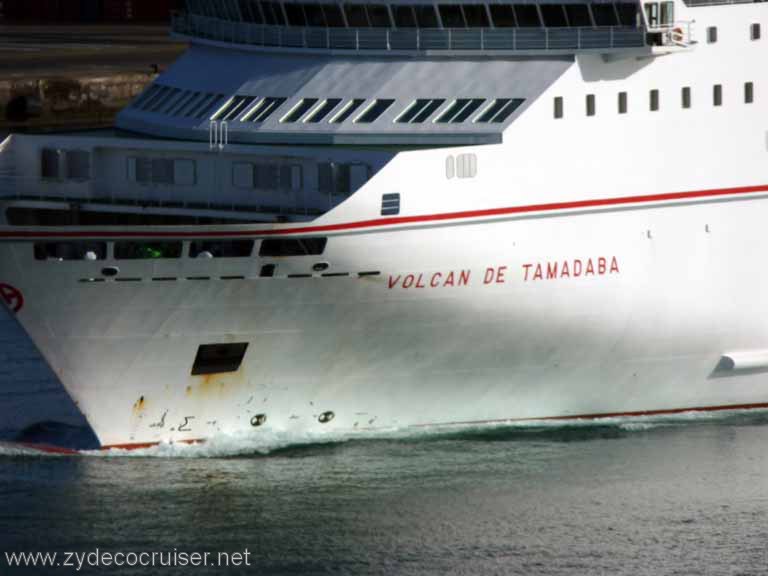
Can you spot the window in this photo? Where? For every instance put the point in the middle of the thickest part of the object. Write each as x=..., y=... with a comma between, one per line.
x=654, y=100
x=217, y=358
x=271, y=176
x=711, y=34
x=717, y=95
x=333, y=15
x=652, y=14
x=50, y=161
x=667, y=13
x=604, y=14
x=292, y=247
x=378, y=16
x=167, y=171
x=221, y=249
x=578, y=15
x=503, y=16
x=78, y=164
x=273, y=14
x=374, y=111
x=233, y=108
x=527, y=16
x=475, y=15
x=314, y=13
x=323, y=110
x=295, y=14
x=749, y=93
x=347, y=110
x=356, y=15
x=553, y=15
x=450, y=167
x=452, y=16
x=263, y=109
x=390, y=204
x=334, y=178
x=70, y=251
x=404, y=16
x=420, y=111
x=590, y=104
x=558, y=106
x=754, y=31
x=206, y=106
x=182, y=103
x=686, y=96
x=147, y=250
x=500, y=110
x=426, y=17
x=145, y=96
x=299, y=110
x=627, y=12
x=460, y=110
x=623, y=103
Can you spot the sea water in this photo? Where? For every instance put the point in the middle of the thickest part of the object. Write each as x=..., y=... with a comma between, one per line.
x=671, y=495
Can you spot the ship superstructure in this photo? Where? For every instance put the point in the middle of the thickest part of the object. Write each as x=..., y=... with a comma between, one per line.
x=360, y=215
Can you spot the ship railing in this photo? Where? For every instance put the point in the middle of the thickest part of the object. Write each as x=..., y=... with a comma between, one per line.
x=411, y=39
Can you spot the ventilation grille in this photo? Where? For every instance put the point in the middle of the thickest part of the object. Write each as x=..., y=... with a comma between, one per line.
x=390, y=204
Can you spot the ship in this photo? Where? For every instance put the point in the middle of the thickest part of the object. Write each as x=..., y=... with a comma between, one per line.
x=359, y=216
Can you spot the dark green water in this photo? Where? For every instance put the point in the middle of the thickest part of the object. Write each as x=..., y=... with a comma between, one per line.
x=665, y=496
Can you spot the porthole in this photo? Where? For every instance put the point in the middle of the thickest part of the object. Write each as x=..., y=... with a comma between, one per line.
x=326, y=417
x=258, y=420
x=110, y=271
x=321, y=266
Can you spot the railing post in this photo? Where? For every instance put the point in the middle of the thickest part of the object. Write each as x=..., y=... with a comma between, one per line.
x=514, y=39
x=357, y=39
x=578, y=38
x=612, y=40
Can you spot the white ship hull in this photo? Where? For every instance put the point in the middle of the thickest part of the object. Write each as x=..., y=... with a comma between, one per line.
x=599, y=260
x=458, y=327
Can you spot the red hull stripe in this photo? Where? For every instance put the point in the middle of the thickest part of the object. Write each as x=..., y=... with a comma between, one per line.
x=596, y=416
x=382, y=222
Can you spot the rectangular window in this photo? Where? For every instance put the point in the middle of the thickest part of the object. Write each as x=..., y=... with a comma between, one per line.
x=627, y=13
x=206, y=107
x=390, y=204
x=242, y=175
x=452, y=16
x=717, y=95
x=503, y=16
x=221, y=249
x=553, y=15
x=147, y=250
x=711, y=34
x=475, y=15
x=70, y=251
x=347, y=110
x=558, y=106
x=356, y=15
x=686, y=96
x=404, y=16
x=333, y=16
x=590, y=105
x=218, y=358
x=378, y=16
x=334, y=178
x=426, y=16
x=623, y=104
x=654, y=100
x=749, y=93
x=754, y=31
x=233, y=108
x=264, y=109
x=323, y=110
x=78, y=164
x=374, y=111
x=292, y=247
x=499, y=110
x=667, y=13
x=299, y=110
x=184, y=172
x=460, y=110
x=50, y=163
x=605, y=15
x=578, y=15
x=420, y=111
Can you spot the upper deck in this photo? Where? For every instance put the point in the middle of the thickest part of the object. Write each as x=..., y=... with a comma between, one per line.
x=414, y=26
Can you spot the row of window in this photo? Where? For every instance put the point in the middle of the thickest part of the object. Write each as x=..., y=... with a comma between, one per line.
x=177, y=102
x=56, y=164
x=314, y=110
x=159, y=250
x=754, y=33
x=335, y=15
x=654, y=100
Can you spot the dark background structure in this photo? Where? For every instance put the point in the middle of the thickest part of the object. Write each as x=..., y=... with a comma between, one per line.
x=86, y=11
